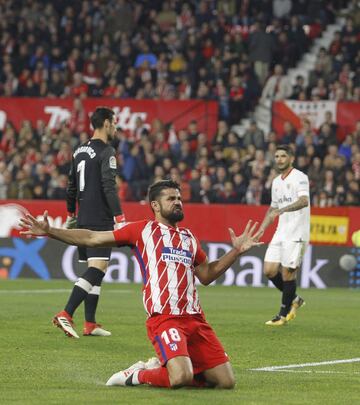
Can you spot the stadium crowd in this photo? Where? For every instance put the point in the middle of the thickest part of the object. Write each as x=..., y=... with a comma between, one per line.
x=231, y=51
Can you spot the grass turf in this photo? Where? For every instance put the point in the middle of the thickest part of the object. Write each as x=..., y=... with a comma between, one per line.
x=39, y=365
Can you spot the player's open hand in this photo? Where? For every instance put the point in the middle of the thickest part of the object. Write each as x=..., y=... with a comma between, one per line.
x=247, y=239
x=31, y=226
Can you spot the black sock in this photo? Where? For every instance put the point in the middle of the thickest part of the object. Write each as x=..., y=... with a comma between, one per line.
x=91, y=302
x=289, y=293
x=82, y=287
x=277, y=281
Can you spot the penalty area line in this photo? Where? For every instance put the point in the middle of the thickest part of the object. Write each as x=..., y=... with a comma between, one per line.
x=321, y=363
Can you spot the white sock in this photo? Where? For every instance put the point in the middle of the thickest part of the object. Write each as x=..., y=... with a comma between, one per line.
x=135, y=378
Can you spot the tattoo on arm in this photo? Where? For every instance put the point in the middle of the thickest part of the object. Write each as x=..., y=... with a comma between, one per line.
x=302, y=202
x=266, y=222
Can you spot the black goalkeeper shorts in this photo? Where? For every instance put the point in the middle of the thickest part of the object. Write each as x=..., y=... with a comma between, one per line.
x=86, y=254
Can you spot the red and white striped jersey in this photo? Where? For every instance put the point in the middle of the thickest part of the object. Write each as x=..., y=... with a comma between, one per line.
x=167, y=257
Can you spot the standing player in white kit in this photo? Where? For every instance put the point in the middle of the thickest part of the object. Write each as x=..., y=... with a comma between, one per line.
x=290, y=200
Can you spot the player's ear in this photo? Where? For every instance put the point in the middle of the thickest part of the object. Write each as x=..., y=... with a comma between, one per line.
x=155, y=206
x=107, y=123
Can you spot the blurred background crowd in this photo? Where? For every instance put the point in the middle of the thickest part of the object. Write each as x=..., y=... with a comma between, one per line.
x=236, y=52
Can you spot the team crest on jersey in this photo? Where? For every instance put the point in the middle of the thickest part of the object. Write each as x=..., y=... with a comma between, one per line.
x=173, y=347
x=170, y=254
x=186, y=240
x=112, y=162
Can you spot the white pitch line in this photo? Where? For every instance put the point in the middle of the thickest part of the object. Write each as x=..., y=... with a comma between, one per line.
x=54, y=291
x=322, y=363
x=316, y=372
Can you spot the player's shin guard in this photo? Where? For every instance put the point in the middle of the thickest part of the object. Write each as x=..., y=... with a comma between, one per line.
x=91, y=302
x=92, y=276
x=289, y=293
x=158, y=377
x=277, y=281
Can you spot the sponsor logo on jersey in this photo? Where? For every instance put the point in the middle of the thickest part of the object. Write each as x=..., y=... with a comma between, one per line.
x=85, y=149
x=170, y=254
x=173, y=347
x=285, y=199
x=112, y=162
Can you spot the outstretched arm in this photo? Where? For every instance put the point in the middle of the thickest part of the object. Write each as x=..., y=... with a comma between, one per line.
x=79, y=237
x=208, y=272
x=270, y=216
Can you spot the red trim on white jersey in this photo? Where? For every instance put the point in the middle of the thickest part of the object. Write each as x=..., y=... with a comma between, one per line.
x=167, y=257
x=283, y=177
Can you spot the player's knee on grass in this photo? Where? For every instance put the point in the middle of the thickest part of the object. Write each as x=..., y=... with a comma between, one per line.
x=180, y=371
x=221, y=376
x=226, y=383
x=181, y=378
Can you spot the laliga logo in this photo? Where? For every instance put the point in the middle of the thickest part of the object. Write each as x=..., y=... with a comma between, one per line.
x=10, y=215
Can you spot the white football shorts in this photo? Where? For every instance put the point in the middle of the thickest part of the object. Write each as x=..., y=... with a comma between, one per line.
x=288, y=253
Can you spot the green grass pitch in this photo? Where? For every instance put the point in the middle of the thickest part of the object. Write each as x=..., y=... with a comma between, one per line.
x=39, y=365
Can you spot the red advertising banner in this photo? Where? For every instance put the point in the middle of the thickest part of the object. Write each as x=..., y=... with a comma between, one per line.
x=209, y=222
x=56, y=111
x=345, y=114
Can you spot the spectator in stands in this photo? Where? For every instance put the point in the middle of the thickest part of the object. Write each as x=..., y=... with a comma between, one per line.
x=340, y=195
x=79, y=121
x=326, y=138
x=290, y=134
x=328, y=183
x=330, y=159
x=322, y=199
x=345, y=148
x=254, y=136
x=228, y=194
x=329, y=120
x=207, y=194
x=277, y=86
x=3, y=180
x=298, y=87
x=261, y=50
x=21, y=188
x=254, y=192
x=56, y=84
x=316, y=74
x=320, y=91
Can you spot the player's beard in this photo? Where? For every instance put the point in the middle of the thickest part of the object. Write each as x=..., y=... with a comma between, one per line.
x=284, y=168
x=110, y=136
x=174, y=216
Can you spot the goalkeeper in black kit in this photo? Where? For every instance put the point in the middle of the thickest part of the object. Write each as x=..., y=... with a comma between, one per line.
x=92, y=186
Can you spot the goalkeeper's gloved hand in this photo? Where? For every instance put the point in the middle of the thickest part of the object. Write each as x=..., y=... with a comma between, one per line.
x=71, y=221
x=119, y=221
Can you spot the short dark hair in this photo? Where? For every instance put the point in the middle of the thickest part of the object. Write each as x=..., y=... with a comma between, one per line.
x=285, y=148
x=100, y=115
x=156, y=188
